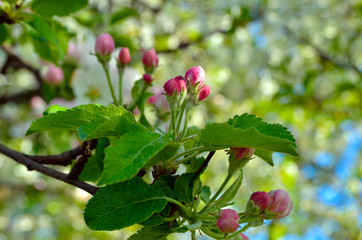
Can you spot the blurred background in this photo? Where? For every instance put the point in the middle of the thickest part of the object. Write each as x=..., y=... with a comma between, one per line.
x=298, y=63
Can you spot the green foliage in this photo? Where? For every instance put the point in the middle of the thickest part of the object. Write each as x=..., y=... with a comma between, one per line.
x=89, y=120
x=127, y=155
x=123, y=204
x=91, y=171
x=205, y=194
x=3, y=32
x=187, y=186
x=48, y=8
x=122, y=14
x=248, y=131
x=231, y=192
x=150, y=233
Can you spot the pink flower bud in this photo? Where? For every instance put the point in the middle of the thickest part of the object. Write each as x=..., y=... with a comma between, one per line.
x=150, y=58
x=260, y=199
x=54, y=75
x=228, y=221
x=174, y=85
x=73, y=53
x=147, y=78
x=280, y=204
x=104, y=44
x=124, y=57
x=242, y=153
x=204, y=92
x=195, y=75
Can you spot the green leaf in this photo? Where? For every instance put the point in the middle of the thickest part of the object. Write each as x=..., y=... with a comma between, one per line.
x=123, y=14
x=44, y=39
x=194, y=226
x=123, y=204
x=102, y=143
x=127, y=155
x=166, y=183
x=230, y=193
x=165, y=154
x=53, y=109
x=151, y=233
x=84, y=118
x=91, y=171
x=194, y=141
x=186, y=187
x=3, y=33
x=50, y=8
x=267, y=156
x=194, y=164
x=205, y=194
x=157, y=218
x=249, y=131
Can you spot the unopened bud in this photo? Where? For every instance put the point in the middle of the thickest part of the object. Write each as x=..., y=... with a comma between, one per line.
x=258, y=202
x=104, y=47
x=228, y=221
x=242, y=153
x=280, y=205
x=173, y=85
x=124, y=57
x=150, y=60
x=195, y=76
x=204, y=92
x=147, y=78
x=54, y=75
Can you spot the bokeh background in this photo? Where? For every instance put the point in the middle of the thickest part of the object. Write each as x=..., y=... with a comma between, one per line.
x=298, y=63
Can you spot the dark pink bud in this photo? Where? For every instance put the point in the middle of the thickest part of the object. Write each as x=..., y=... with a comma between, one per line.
x=195, y=75
x=54, y=75
x=228, y=221
x=174, y=85
x=243, y=236
x=204, y=92
x=280, y=203
x=104, y=44
x=124, y=57
x=260, y=199
x=150, y=58
x=147, y=78
x=242, y=153
x=229, y=213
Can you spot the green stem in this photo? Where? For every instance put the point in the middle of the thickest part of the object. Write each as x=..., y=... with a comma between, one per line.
x=173, y=122
x=184, y=160
x=134, y=103
x=120, y=75
x=238, y=232
x=193, y=235
x=185, y=125
x=212, y=234
x=180, y=116
x=223, y=185
x=171, y=200
x=197, y=149
x=106, y=70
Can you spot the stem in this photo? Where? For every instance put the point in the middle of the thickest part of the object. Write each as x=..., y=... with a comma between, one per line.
x=199, y=149
x=171, y=200
x=193, y=235
x=238, y=232
x=183, y=106
x=185, y=125
x=223, y=185
x=185, y=159
x=133, y=104
x=120, y=75
x=106, y=70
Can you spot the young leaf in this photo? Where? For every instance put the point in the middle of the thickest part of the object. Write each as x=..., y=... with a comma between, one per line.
x=56, y=118
x=248, y=131
x=151, y=233
x=127, y=155
x=267, y=156
x=165, y=154
x=123, y=204
x=205, y=194
x=91, y=171
x=186, y=187
x=57, y=7
x=230, y=193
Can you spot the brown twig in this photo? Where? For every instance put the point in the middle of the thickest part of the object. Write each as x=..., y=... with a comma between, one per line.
x=32, y=165
x=204, y=164
x=13, y=61
x=83, y=159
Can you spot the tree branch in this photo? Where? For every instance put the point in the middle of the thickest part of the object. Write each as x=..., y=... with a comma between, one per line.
x=63, y=159
x=32, y=165
x=13, y=61
x=204, y=164
x=79, y=165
